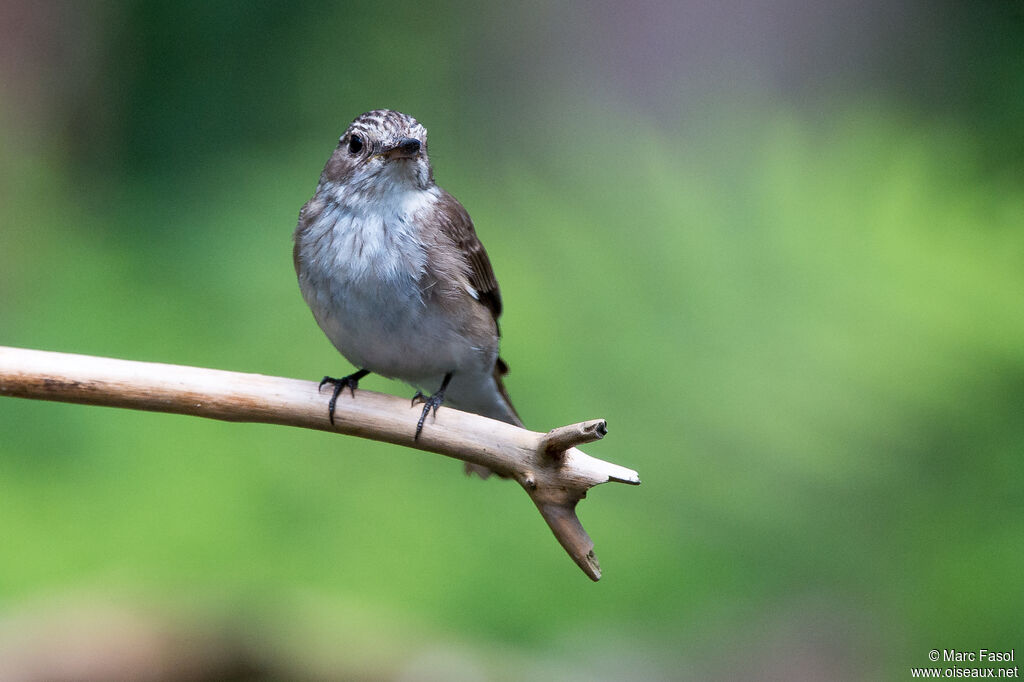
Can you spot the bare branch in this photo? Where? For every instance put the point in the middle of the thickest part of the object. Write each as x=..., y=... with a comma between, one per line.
x=553, y=472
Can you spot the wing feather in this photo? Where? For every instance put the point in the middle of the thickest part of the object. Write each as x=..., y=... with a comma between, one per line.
x=458, y=227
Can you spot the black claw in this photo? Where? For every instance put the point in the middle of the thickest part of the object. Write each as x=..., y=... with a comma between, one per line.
x=334, y=400
x=433, y=402
x=351, y=381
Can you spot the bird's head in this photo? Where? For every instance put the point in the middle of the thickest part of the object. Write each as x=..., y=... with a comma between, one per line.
x=381, y=150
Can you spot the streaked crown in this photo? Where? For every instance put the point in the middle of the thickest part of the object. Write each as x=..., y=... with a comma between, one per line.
x=381, y=146
x=385, y=126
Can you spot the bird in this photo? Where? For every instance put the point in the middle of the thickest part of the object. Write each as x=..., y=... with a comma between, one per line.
x=396, y=277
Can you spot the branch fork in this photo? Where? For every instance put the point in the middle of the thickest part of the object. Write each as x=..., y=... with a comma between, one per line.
x=549, y=466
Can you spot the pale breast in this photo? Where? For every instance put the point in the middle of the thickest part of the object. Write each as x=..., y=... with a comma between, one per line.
x=365, y=275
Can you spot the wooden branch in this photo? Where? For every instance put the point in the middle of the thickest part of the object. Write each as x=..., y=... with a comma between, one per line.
x=553, y=472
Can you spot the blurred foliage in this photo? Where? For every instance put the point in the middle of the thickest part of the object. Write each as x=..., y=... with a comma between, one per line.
x=802, y=318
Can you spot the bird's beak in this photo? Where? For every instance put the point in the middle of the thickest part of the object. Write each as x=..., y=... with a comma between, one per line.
x=405, y=148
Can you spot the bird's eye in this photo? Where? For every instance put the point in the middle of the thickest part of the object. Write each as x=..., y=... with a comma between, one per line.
x=355, y=144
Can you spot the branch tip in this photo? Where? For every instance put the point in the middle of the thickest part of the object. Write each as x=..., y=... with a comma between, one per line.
x=561, y=518
x=565, y=437
x=633, y=479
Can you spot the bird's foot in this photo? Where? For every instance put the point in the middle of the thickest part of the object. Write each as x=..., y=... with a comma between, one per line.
x=430, y=403
x=351, y=382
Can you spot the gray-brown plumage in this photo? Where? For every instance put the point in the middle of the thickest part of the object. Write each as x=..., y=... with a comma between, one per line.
x=395, y=275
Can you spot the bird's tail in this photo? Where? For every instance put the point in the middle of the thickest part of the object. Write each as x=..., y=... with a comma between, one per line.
x=500, y=370
x=501, y=410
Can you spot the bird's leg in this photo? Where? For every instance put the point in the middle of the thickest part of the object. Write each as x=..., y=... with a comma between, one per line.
x=433, y=401
x=351, y=382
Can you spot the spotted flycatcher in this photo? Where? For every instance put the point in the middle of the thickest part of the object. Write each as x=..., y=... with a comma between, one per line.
x=395, y=275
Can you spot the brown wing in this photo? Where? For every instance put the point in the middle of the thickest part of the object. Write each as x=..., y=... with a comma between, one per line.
x=458, y=226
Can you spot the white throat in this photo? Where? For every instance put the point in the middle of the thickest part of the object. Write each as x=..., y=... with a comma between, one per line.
x=371, y=232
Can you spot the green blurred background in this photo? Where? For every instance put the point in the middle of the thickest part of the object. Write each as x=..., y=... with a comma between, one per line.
x=778, y=247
